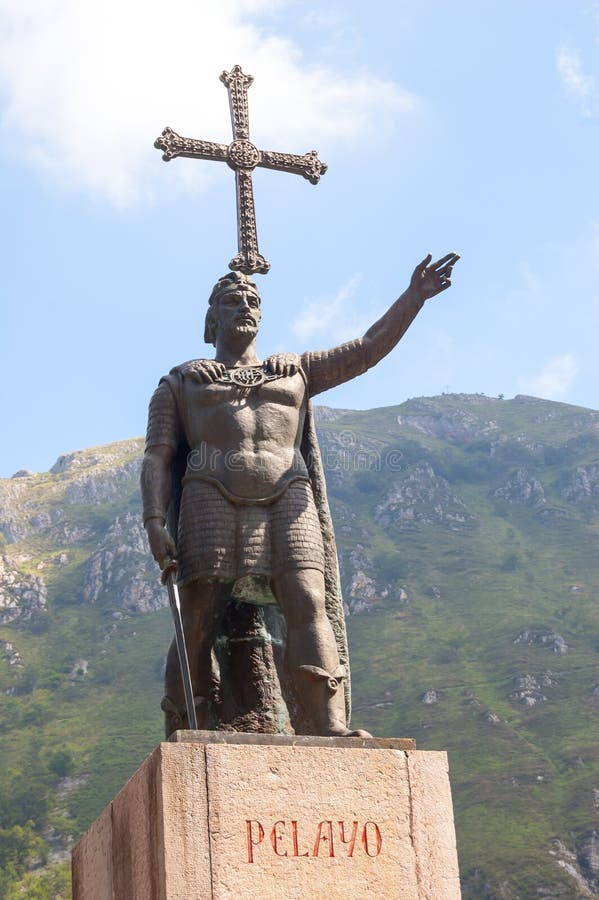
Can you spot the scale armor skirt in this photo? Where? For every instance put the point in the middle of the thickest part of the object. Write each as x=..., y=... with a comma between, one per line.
x=221, y=539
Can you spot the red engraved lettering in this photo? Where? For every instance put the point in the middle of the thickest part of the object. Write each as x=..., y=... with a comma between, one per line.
x=250, y=837
x=352, y=837
x=294, y=839
x=275, y=837
x=325, y=838
x=378, y=843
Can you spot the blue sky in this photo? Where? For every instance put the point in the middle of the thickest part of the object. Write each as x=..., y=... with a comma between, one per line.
x=470, y=126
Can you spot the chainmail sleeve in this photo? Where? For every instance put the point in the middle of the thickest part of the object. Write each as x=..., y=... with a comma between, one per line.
x=164, y=429
x=326, y=369
x=163, y=419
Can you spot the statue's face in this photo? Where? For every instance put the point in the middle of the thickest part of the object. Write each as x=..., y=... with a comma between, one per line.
x=238, y=311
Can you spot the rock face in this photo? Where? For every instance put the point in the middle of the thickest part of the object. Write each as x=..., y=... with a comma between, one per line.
x=13, y=518
x=429, y=698
x=456, y=425
x=544, y=637
x=588, y=858
x=421, y=497
x=521, y=487
x=22, y=596
x=50, y=514
x=88, y=488
x=122, y=571
x=581, y=866
x=362, y=590
x=107, y=455
x=529, y=689
x=11, y=654
x=364, y=584
x=582, y=485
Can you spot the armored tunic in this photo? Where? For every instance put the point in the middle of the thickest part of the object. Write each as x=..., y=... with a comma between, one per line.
x=248, y=511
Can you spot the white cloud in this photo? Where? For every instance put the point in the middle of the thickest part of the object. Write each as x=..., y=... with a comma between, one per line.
x=325, y=19
x=88, y=85
x=335, y=318
x=580, y=86
x=554, y=379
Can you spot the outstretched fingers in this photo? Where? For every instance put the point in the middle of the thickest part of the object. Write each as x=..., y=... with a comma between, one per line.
x=446, y=262
x=425, y=262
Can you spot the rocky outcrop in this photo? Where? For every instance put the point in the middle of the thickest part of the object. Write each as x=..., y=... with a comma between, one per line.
x=14, y=506
x=328, y=414
x=578, y=865
x=522, y=488
x=528, y=689
x=345, y=452
x=582, y=486
x=363, y=585
x=22, y=595
x=39, y=504
x=100, y=487
x=459, y=426
x=122, y=572
x=587, y=847
x=421, y=497
x=107, y=455
x=362, y=591
x=9, y=652
x=543, y=637
x=430, y=698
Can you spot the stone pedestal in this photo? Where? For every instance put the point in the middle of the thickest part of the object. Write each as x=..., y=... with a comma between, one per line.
x=217, y=815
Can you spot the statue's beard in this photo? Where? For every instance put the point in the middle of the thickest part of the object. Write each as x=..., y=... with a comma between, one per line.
x=242, y=329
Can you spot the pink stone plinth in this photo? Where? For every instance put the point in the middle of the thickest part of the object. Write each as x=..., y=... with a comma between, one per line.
x=231, y=816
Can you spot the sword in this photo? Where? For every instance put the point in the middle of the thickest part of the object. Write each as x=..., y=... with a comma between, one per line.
x=168, y=578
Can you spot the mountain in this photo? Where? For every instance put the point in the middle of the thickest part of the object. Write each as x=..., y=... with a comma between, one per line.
x=467, y=531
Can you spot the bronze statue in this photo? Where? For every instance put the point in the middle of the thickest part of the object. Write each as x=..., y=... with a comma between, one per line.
x=235, y=437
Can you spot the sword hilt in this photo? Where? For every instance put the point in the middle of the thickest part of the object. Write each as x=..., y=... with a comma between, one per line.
x=169, y=570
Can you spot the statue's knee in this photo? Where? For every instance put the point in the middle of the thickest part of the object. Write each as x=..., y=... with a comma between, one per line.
x=308, y=608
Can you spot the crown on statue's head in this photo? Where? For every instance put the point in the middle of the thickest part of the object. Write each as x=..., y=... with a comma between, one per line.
x=226, y=282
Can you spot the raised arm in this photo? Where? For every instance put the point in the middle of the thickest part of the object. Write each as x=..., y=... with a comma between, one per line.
x=328, y=368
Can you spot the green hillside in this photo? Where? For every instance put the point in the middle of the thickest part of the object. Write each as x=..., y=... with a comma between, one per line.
x=468, y=532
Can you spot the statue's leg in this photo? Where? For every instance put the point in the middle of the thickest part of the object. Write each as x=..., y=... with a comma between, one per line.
x=203, y=604
x=312, y=654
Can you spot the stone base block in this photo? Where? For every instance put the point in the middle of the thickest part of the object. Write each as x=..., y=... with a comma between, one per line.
x=215, y=815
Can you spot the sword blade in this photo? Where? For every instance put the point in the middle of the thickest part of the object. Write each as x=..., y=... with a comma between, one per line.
x=173, y=599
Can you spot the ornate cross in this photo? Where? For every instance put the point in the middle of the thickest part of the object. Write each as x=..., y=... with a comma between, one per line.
x=242, y=156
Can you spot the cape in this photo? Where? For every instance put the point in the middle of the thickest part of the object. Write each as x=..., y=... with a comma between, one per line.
x=310, y=451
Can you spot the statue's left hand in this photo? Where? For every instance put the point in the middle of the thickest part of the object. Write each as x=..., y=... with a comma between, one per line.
x=283, y=363
x=430, y=279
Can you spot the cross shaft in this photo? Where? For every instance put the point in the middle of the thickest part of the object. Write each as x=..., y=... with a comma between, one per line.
x=242, y=156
